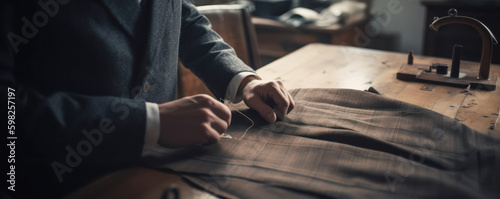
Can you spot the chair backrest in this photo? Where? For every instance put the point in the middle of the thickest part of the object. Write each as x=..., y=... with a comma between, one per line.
x=233, y=23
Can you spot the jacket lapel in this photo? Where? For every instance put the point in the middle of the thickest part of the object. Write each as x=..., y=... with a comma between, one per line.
x=154, y=16
x=156, y=19
x=158, y=12
x=126, y=12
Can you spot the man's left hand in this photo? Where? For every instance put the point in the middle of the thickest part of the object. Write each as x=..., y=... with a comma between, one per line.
x=263, y=96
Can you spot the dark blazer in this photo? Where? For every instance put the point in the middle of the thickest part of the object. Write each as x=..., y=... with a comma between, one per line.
x=82, y=71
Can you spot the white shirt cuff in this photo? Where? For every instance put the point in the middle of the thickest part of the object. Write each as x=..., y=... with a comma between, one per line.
x=152, y=124
x=234, y=84
x=153, y=113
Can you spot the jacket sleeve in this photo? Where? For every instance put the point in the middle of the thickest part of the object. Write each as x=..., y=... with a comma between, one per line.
x=205, y=53
x=63, y=139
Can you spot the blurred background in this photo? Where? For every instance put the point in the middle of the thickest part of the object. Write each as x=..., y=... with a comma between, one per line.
x=282, y=26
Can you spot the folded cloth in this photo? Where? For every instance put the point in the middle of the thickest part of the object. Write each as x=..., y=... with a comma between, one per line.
x=343, y=144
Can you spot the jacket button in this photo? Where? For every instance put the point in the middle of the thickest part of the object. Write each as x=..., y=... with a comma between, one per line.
x=146, y=87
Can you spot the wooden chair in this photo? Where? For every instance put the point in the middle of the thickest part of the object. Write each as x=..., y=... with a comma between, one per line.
x=233, y=23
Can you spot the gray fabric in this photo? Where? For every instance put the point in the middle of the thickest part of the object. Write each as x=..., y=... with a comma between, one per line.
x=343, y=144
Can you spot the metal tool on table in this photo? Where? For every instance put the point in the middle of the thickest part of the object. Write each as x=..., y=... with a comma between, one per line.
x=462, y=76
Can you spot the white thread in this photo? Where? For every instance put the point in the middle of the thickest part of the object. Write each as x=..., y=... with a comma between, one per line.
x=228, y=105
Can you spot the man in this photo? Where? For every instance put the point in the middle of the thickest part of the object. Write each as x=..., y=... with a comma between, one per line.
x=95, y=82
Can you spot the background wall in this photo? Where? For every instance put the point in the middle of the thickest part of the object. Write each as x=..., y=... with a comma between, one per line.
x=404, y=30
x=405, y=27
x=400, y=25
x=400, y=32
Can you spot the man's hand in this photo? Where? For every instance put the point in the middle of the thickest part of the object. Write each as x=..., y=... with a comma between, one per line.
x=263, y=96
x=194, y=120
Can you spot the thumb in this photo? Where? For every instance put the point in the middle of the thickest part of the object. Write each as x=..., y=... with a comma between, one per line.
x=264, y=110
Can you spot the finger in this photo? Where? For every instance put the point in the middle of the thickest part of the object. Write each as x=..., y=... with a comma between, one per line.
x=211, y=136
x=262, y=108
x=287, y=96
x=221, y=111
x=280, y=99
x=290, y=100
x=292, y=103
x=219, y=125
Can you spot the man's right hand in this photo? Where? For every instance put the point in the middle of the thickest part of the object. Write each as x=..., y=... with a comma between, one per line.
x=194, y=120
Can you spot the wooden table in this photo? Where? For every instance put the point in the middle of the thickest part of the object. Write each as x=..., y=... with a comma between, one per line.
x=329, y=66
